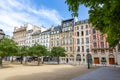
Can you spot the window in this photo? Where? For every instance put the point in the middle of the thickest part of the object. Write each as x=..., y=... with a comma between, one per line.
x=102, y=44
x=78, y=48
x=70, y=41
x=82, y=33
x=57, y=42
x=82, y=48
x=66, y=48
x=32, y=41
x=81, y=27
x=78, y=34
x=86, y=32
x=103, y=59
x=70, y=48
x=102, y=51
x=66, y=41
x=87, y=40
x=95, y=45
x=78, y=41
x=86, y=26
x=70, y=34
x=38, y=40
x=94, y=38
x=94, y=31
x=110, y=51
x=82, y=40
x=77, y=27
x=87, y=47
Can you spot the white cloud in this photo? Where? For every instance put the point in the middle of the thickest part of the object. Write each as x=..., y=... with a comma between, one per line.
x=17, y=12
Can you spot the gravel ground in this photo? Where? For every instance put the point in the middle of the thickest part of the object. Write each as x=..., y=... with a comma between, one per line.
x=43, y=72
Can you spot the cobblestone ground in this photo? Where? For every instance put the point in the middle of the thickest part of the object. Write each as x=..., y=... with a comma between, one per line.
x=104, y=73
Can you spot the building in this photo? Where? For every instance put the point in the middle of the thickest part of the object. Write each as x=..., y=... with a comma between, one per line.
x=42, y=38
x=82, y=41
x=100, y=49
x=19, y=35
x=88, y=38
x=77, y=38
x=55, y=36
x=67, y=40
x=23, y=34
x=45, y=39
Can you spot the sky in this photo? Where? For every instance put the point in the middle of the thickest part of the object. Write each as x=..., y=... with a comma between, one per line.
x=37, y=12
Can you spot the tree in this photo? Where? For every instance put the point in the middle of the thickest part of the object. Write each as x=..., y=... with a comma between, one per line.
x=57, y=52
x=23, y=51
x=38, y=50
x=103, y=14
x=7, y=48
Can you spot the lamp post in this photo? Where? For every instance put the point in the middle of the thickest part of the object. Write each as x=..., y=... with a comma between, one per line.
x=89, y=57
x=1, y=37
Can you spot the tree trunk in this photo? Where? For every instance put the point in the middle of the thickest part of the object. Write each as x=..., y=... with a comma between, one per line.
x=38, y=61
x=21, y=60
x=12, y=59
x=25, y=60
x=42, y=59
x=58, y=60
x=0, y=61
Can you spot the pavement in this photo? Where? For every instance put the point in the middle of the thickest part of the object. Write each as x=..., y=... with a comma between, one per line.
x=104, y=73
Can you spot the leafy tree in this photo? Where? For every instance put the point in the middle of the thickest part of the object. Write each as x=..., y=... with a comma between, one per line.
x=57, y=52
x=7, y=48
x=23, y=51
x=38, y=50
x=103, y=14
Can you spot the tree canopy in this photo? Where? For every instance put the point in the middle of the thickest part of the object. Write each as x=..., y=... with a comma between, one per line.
x=57, y=52
x=23, y=51
x=8, y=47
x=37, y=50
x=103, y=14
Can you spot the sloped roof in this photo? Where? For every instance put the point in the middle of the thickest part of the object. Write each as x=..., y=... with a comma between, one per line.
x=2, y=32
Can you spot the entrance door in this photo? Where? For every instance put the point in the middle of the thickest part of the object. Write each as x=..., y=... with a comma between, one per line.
x=96, y=60
x=111, y=61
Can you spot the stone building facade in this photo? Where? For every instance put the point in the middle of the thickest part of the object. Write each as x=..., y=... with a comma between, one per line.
x=77, y=38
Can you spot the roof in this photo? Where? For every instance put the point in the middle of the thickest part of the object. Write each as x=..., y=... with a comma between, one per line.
x=57, y=28
x=81, y=22
x=46, y=32
x=2, y=32
x=37, y=32
x=68, y=20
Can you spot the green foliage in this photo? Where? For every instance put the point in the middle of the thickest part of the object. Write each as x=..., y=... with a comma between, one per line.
x=103, y=14
x=37, y=50
x=57, y=51
x=8, y=47
x=23, y=51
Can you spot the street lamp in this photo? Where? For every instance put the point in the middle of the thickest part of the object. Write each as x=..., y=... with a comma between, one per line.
x=89, y=58
x=1, y=37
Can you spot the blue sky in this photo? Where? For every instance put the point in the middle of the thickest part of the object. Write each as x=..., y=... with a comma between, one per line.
x=38, y=12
